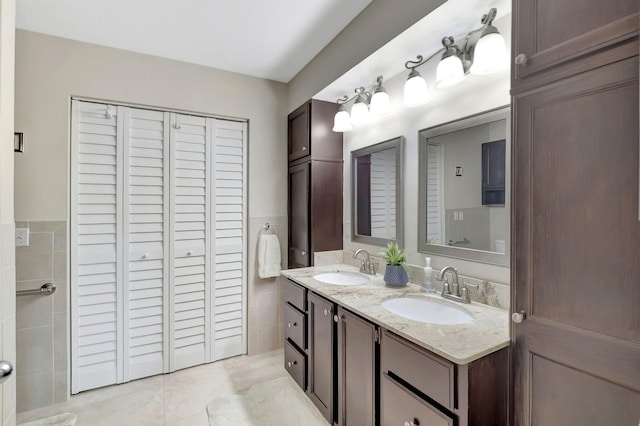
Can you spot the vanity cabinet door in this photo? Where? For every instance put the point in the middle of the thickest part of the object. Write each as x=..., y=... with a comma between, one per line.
x=321, y=354
x=564, y=37
x=299, y=132
x=299, y=206
x=356, y=370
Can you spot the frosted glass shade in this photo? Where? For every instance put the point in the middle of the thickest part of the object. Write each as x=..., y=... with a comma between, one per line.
x=342, y=121
x=449, y=72
x=415, y=91
x=490, y=55
x=359, y=113
x=380, y=103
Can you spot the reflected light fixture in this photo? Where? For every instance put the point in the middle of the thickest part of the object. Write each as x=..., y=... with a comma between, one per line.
x=483, y=52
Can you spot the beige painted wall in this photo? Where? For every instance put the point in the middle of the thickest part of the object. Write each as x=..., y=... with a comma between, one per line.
x=376, y=25
x=7, y=237
x=50, y=70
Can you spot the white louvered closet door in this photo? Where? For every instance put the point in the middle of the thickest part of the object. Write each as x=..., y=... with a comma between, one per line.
x=96, y=245
x=190, y=236
x=146, y=242
x=229, y=239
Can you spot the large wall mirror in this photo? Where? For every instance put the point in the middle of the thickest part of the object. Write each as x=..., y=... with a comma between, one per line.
x=376, y=193
x=464, y=188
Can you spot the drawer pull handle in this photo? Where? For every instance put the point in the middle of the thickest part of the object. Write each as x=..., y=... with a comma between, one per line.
x=415, y=422
x=521, y=59
x=292, y=363
x=292, y=324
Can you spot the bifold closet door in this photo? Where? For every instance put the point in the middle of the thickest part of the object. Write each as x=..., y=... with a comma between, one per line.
x=145, y=242
x=229, y=238
x=190, y=290
x=96, y=245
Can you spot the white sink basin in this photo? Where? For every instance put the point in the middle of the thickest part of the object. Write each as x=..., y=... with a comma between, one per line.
x=427, y=310
x=342, y=278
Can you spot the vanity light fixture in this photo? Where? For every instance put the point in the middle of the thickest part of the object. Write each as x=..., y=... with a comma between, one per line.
x=377, y=103
x=483, y=52
x=380, y=102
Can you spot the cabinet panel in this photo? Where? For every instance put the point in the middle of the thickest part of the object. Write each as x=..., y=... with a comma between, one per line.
x=295, y=363
x=356, y=371
x=299, y=205
x=550, y=32
x=321, y=354
x=326, y=205
x=399, y=406
x=299, y=132
x=295, y=295
x=432, y=375
x=295, y=324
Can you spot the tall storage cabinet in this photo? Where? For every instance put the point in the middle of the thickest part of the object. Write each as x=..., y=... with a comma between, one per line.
x=315, y=182
x=158, y=254
x=575, y=170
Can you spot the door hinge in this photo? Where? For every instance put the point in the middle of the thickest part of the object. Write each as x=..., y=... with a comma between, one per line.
x=376, y=335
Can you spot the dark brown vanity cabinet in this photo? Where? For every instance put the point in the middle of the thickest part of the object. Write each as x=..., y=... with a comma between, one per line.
x=493, y=173
x=357, y=370
x=420, y=388
x=315, y=182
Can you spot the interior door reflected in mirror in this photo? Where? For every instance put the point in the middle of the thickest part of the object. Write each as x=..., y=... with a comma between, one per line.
x=376, y=193
x=464, y=188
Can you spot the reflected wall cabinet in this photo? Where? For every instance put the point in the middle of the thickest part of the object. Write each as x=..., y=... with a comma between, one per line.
x=575, y=170
x=158, y=258
x=315, y=182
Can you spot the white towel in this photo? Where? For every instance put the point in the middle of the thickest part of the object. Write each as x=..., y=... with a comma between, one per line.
x=268, y=256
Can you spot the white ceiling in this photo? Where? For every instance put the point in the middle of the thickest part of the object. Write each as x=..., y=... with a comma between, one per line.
x=271, y=39
x=453, y=18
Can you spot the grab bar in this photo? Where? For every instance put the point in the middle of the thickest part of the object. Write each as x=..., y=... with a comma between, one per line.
x=46, y=290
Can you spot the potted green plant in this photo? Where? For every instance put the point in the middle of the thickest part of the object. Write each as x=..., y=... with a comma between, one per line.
x=395, y=274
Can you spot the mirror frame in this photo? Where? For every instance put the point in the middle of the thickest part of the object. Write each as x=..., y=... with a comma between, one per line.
x=398, y=144
x=482, y=256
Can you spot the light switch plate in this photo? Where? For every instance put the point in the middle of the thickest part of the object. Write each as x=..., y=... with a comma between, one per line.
x=22, y=237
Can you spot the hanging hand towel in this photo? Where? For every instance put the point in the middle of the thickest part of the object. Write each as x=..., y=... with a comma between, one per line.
x=268, y=256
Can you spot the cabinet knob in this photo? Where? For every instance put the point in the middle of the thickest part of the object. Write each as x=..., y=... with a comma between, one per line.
x=518, y=317
x=291, y=363
x=521, y=59
x=292, y=324
x=304, y=148
x=415, y=422
x=304, y=253
x=326, y=312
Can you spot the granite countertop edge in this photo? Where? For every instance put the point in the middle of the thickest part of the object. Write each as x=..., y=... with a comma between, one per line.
x=460, y=344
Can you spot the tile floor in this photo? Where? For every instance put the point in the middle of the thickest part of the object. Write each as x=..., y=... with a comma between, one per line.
x=176, y=399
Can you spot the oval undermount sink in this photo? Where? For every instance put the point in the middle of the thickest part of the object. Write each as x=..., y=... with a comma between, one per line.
x=342, y=278
x=427, y=310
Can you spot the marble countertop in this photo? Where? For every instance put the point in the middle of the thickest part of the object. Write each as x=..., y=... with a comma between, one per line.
x=461, y=344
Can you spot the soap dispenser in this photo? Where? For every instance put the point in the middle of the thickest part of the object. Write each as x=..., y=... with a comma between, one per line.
x=427, y=284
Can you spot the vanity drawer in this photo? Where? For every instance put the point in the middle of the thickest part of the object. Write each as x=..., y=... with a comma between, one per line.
x=400, y=406
x=430, y=374
x=295, y=326
x=296, y=364
x=295, y=295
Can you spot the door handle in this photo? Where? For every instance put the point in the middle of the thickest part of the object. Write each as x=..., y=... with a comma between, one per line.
x=6, y=369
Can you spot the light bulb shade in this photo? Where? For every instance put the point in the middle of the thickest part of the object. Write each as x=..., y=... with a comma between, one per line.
x=490, y=54
x=380, y=103
x=449, y=72
x=359, y=113
x=342, y=121
x=415, y=91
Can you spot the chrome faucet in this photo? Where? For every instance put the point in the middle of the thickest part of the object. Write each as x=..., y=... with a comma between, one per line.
x=367, y=266
x=454, y=291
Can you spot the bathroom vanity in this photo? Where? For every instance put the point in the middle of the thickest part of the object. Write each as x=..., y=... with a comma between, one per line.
x=361, y=364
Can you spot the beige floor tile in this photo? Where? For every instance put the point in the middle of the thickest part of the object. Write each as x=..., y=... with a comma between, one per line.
x=144, y=408
x=198, y=420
